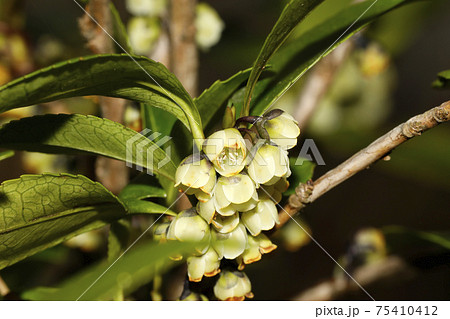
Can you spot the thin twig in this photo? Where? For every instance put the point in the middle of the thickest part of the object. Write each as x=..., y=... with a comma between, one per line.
x=308, y=193
x=111, y=173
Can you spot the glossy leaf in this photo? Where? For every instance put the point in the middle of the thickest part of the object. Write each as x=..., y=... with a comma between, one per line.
x=162, y=122
x=120, y=31
x=157, y=119
x=134, y=198
x=213, y=100
x=443, y=80
x=75, y=133
x=6, y=154
x=294, y=12
x=141, y=191
x=134, y=269
x=138, y=206
x=293, y=60
x=117, y=75
x=40, y=211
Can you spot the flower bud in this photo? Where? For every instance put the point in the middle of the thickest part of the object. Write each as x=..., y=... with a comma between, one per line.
x=255, y=248
x=263, y=217
x=189, y=226
x=196, y=177
x=233, y=285
x=204, y=265
x=226, y=150
x=230, y=245
x=283, y=130
x=227, y=224
x=268, y=165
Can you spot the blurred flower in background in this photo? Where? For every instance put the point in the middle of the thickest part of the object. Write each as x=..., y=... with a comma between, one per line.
x=209, y=26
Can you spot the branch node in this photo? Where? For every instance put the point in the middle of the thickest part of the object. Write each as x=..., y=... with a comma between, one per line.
x=413, y=128
x=442, y=112
x=379, y=149
x=302, y=193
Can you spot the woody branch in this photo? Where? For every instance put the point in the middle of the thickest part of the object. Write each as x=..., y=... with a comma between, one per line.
x=380, y=148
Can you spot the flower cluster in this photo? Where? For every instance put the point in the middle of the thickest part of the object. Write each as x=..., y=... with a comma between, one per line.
x=238, y=180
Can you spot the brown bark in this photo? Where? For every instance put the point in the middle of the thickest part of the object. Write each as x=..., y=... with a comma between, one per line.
x=379, y=149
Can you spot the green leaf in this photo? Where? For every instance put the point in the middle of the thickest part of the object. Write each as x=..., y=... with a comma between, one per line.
x=443, y=80
x=157, y=119
x=141, y=191
x=162, y=122
x=302, y=171
x=293, y=60
x=118, y=238
x=294, y=12
x=75, y=133
x=117, y=75
x=213, y=100
x=134, y=269
x=41, y=211
x=133, y=197
x=138, y=206
x=6, y=154
x=120, y=31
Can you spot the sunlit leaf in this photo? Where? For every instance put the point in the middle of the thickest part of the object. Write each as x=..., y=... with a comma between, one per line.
x=294, y=12
x=120, y=31
x=40, y=211
x=72, y=134
x=141, y=191
x=117, y=75
x=213, y=100
x=292, y=61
